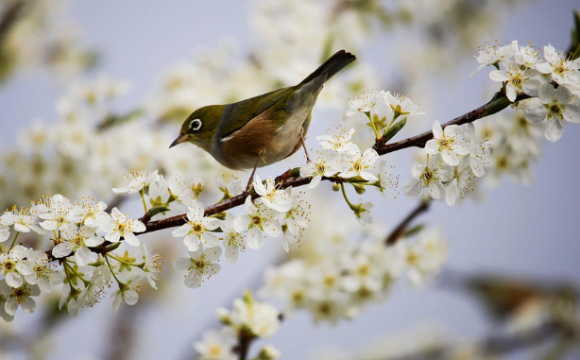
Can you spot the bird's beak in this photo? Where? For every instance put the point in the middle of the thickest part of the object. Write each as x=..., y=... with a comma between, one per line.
x=179, y=140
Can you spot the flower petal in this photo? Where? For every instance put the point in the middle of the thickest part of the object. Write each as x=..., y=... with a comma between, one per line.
x=62, y=249
x=182, y=263
x=553, y=130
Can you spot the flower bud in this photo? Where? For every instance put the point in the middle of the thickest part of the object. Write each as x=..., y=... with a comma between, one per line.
x=197, y=187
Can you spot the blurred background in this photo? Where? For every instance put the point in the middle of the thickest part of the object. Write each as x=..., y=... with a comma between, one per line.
x=161, y=60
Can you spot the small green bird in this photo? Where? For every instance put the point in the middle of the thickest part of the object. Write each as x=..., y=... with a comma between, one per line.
x=261, y=130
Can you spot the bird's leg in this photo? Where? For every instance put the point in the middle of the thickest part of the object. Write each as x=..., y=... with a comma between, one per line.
x=304, y=147
x=249, y=187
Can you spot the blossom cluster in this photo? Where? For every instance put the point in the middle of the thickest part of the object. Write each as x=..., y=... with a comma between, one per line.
x=552, y=79
x=516, y=144
x=86, y=241
x=276, y=213
x=248, y=320
x=342, y=159
x=42, y=38
x=453, y=158
x=383, y=112
x=344, y=277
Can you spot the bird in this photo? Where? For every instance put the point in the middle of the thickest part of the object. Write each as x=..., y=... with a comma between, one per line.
x=261, y=130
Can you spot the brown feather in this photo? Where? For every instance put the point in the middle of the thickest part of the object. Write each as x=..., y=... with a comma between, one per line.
x=253, y=141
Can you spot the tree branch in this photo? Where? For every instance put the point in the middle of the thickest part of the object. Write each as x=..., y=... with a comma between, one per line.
x=396, y=234
x=496, y=104
x=243, y=346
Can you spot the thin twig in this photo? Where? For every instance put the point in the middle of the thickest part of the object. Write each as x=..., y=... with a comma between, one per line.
x=396, y=234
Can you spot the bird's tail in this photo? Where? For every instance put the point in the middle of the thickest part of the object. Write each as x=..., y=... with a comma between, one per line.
x=330, y=67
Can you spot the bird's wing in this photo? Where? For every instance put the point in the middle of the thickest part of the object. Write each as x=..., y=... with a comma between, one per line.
x=238, y=114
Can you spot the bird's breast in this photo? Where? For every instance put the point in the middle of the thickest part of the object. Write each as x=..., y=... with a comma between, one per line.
x=261, y=141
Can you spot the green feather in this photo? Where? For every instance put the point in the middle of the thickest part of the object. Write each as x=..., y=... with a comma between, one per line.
x=236, y=115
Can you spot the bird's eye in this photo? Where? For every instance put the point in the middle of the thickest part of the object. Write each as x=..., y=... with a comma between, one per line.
x=195, y=125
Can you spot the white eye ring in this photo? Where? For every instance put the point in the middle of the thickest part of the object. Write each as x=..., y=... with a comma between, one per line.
x=195, y=125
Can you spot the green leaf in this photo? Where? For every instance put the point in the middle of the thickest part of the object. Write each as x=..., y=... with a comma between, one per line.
x=393, y=130
x=161, y=209
x=414, y=230
x=295, y=172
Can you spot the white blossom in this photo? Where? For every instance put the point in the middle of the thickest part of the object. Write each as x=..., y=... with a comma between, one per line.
x=126, y=292
x=198, y=228
x=43, y=274
x=363, y=213
x=14, y=267
x=555, y=106
x=564, y=72
x=261, y=319
x=460, y=183
x=428, y=179
x=233, y=241
x=179, y=191
x=492, y=55
x=229, y=188
x=20, y=296
x=200, y=264
x=403, y=106
x=297, y=218
x=386, y=180
x=339, y=142
x=425, y=258
x=5, y=292
x=275, y=199
x=85, y=296
x=480, y=150
x=22, y=220
x=257, y=222
x=136, y=181
x=361, y=165
x=370, y=106
x=58, y=211
x=216, y=345
x=361, y=274
x=448, y=142
x=91, y=213
x=517, y=80
x=77, y=240
x=117, y=225
x=162, y=192
x=323, y=163
x=151, y=267
x=527, y=56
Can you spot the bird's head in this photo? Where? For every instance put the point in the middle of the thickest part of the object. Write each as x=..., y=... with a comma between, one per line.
x=200, y=127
